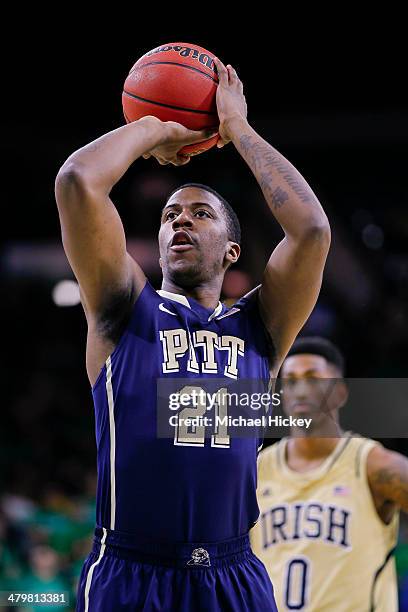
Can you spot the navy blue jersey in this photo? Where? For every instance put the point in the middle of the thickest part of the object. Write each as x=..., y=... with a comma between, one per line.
x=155, y=488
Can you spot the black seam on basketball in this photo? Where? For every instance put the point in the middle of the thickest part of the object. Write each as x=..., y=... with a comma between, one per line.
x=178, y=64
x=188, y=110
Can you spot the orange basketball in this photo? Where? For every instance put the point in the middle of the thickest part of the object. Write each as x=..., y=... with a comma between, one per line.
x=174, y=82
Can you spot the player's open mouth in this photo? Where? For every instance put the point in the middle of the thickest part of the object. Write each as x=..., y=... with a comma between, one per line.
x=181, y=241
x=181, y=247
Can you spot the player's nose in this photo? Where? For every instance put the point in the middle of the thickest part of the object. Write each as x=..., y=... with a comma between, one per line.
x=300, y=389
x=183, y=219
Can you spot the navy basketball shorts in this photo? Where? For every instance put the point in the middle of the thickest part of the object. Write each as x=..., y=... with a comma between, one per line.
x=121, y=574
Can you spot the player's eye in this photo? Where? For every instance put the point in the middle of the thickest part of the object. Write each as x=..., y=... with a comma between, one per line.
x=202, y=213
x=313, y=380
x=170, y=215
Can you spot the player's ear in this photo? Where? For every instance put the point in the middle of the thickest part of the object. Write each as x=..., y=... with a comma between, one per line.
x=342, y=393
x=233, y=252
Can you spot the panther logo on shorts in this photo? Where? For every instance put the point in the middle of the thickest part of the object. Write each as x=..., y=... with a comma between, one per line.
x=199, y=556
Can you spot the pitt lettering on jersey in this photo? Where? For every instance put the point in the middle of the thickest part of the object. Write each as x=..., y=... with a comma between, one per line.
x=288, y=522
x=177, y=342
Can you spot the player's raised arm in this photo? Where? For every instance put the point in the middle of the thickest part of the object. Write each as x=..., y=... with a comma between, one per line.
x=387, y=473
x=293, y=275
x=92, y=231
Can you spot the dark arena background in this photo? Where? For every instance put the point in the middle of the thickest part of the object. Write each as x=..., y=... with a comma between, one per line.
x=332, y=107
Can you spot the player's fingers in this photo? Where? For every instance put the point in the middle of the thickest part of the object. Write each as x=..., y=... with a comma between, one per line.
x=182, y=160
x=201, y=135
x=146, y=155
x=233, y=77
x=176, y=159
x=222, y=71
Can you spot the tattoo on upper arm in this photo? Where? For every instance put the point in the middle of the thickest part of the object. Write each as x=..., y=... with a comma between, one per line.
x=279, y=197
x=262, y=157
x=393, y=481
x=276, y=196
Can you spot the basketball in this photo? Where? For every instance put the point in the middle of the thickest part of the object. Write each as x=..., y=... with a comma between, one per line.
x=175, y=82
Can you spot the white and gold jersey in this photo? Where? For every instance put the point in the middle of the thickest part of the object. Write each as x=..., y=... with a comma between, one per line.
x=319, y=534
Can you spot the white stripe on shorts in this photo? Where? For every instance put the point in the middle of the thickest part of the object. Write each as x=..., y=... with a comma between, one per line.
x=91, y=569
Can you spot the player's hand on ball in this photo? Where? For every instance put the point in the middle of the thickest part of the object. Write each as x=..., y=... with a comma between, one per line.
x=230, y=99
x=175, y=137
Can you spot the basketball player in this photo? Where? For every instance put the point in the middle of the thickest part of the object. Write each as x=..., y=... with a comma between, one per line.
x=329, y=500
x=173, y=518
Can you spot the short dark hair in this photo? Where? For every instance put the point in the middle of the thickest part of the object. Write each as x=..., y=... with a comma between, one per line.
x=233, y=225
x=316, y=345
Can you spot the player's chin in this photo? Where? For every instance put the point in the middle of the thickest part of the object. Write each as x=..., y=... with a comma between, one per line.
x=304, y=408
x=184, y=269
x=301, y=414
x=177, y=255
x=183, y=259
x=185, y=273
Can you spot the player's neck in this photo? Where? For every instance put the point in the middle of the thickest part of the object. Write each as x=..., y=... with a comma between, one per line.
x=314, y=447
x=208, y=295
x=311, y=448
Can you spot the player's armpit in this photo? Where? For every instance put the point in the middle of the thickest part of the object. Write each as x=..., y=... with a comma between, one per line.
x=94, y=241
x=291, y=283
x=387, y=473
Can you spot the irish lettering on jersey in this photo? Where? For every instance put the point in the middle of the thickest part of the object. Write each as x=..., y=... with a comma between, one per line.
x=310, y=520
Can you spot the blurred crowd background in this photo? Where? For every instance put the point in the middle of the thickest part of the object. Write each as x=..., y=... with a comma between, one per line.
x=345, y=128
